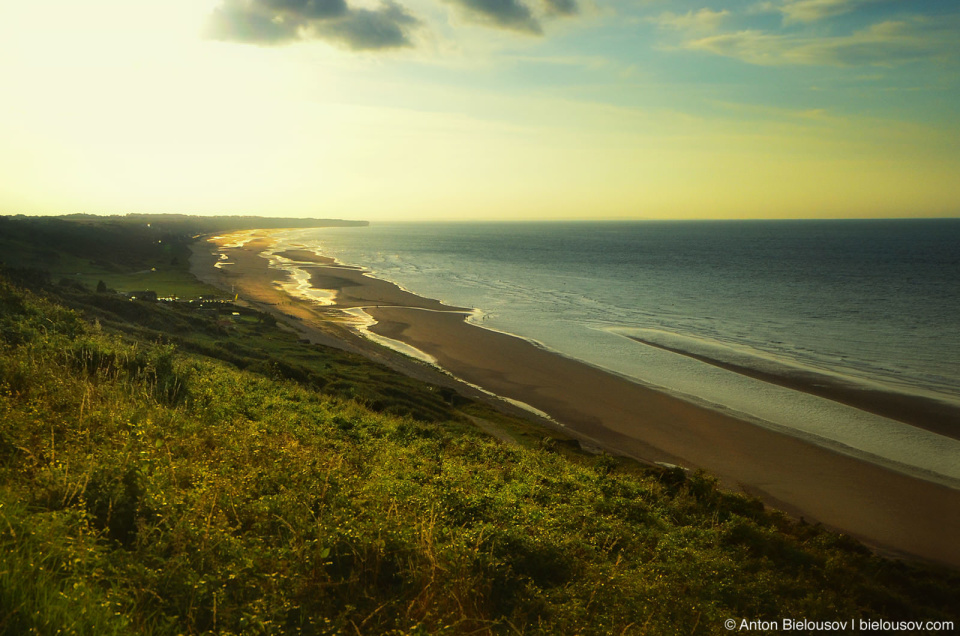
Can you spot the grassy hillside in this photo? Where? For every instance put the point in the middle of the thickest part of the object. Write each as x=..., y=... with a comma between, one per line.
x=166, y=470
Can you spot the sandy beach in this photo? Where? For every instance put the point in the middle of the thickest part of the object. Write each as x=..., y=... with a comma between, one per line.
x=894, y=512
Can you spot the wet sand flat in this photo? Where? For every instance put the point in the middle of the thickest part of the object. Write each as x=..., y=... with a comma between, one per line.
x=929, y=414
x=356, y=289
x=306, y=256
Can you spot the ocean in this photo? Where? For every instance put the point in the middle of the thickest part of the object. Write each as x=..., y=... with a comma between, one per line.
x=696, y=308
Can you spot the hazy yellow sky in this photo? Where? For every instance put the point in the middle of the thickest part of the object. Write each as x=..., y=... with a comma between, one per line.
x=481, y=109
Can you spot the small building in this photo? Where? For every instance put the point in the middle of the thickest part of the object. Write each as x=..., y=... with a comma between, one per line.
x=145, y=295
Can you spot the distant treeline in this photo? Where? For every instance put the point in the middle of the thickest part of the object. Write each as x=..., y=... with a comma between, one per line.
x=132, y=240
x=75, y=226
x=194, y=223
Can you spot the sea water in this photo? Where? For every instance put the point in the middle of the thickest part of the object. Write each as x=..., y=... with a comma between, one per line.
x=870, y=302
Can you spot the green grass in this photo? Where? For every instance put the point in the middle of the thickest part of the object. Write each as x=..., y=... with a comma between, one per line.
x=169, y=468
x=165, y=281
x=254, y=342
x=146, y=488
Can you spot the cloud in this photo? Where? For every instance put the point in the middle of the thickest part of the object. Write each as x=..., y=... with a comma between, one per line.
x=308, y=9
x=366, y=29
x=238, y=21
x=562, y=7
x=274, y=22
x=812, y=10
x=277, y=22
x=506, y=14
x=515, y=15
x=888, y=43
x=704, y=20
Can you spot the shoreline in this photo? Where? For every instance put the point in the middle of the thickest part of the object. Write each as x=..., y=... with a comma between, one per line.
x=895, y=512
x=383, y=326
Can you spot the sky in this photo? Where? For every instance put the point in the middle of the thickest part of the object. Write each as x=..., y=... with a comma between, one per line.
x=481, y=109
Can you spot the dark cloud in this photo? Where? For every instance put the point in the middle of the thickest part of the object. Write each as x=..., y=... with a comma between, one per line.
x=515, y=15
x=365, y=29
x=507, y=14
x=275, y=22
x=271, y=22
x=563, y=7
x=308, y=9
